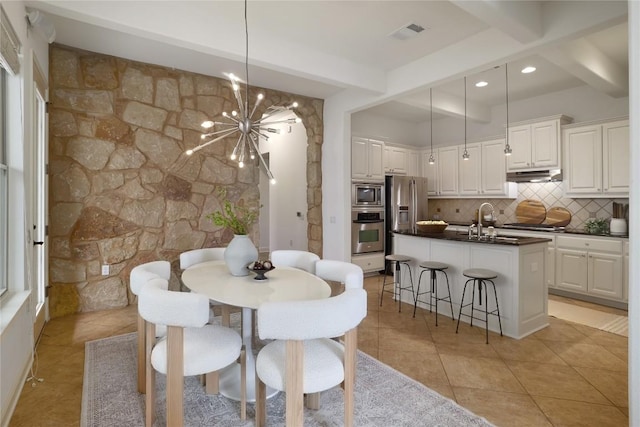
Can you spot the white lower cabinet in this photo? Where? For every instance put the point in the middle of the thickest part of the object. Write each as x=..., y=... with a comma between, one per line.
x=369, y=262
x=551, y=265
x=591, y=266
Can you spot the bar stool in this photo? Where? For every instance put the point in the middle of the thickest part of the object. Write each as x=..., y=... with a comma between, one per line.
x=398, y=260
x=433, y=267
x=481, y=276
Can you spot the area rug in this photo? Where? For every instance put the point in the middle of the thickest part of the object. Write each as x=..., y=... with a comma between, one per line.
x=384, y=397
x=586, y=316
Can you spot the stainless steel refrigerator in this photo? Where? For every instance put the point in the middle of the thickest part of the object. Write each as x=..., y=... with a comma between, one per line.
x=405, y=203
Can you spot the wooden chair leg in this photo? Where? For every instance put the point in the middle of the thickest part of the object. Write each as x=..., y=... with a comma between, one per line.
x=243, y=384
x=142, y=362
x=212, y=380
x=261, y=402
x=226, y=315
x=175, y=376
x=150, y=376
x=350, y=349
x=293, y=383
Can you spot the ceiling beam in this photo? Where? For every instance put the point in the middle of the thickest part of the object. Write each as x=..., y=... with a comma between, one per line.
x=521, y=20
x=452, y=106
x=591, y=65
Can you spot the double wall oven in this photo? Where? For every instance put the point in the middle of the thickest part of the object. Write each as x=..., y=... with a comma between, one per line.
x=367, y=231
x=367, y=218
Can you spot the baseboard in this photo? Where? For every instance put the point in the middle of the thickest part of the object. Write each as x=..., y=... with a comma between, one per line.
x=589, y=298
x=6, y=417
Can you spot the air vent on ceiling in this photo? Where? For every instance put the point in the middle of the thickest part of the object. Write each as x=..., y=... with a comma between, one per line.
x=407, y=31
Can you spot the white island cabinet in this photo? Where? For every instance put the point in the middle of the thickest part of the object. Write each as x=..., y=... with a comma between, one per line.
x=521, y=284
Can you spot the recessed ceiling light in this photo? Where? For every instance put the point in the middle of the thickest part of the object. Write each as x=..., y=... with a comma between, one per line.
x=527, y=70
x=481, y=84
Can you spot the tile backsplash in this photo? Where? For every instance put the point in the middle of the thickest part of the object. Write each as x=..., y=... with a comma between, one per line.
x=549, y=193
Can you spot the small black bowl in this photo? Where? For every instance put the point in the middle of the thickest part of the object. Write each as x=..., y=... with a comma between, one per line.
x=260, y=272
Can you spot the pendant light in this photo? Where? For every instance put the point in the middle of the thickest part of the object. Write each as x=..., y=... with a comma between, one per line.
x=507, y=147
x=465, y=155
x=243, y=120
x=432, y=160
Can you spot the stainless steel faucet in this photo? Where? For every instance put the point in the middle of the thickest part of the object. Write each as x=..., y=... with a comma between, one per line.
x=480, y=216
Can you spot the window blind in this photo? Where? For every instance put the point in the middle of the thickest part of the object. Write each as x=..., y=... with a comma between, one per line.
x=9, y=45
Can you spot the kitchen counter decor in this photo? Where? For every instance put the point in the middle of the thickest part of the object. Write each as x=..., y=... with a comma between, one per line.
x=431, y=226
x=596, y=226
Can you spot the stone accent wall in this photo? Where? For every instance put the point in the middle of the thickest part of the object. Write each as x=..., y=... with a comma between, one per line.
x=121, y=190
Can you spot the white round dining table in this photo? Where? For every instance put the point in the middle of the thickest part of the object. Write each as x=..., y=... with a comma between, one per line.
x=214, y=280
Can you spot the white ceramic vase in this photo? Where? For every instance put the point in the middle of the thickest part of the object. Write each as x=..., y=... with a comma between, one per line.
x=240, y=252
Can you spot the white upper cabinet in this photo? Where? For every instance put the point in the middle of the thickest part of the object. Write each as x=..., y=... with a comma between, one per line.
x=430, y=171
x=615, y=158
x=494, y=167
x=597, y=160
x=395, y=160
x=483, y=174
x=413, y=163
x=366, y=159
x=536, y=145
x=470, y=180
x=448, y=158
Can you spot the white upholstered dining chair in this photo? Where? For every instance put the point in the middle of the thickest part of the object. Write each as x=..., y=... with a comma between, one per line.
x=304, y=359
x=302, y=260
x=191, y=347
x=340, y=271
x=138, y=277
x=197, y=256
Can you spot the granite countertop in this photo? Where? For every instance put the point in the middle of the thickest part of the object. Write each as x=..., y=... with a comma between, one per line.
x=567, y=230
x=463, y=237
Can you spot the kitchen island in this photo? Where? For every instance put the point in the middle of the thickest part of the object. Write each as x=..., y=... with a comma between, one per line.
x=520, y=264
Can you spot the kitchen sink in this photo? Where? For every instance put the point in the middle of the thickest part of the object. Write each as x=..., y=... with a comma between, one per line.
x=485, y=238
x=506, y=239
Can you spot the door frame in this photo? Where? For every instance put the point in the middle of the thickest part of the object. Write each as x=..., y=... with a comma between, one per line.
x=38, y=268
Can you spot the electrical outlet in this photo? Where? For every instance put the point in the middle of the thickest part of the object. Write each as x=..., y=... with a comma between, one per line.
x=105, y=270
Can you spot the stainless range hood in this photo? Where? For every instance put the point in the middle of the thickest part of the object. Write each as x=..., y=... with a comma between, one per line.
x=546, y=175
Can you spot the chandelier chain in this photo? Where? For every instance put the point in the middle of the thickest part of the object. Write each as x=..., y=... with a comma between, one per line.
x=246, y=57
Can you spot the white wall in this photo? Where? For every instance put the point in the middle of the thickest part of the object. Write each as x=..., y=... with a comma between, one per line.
x=17, y=308
x=374, y=126
x=288, y=163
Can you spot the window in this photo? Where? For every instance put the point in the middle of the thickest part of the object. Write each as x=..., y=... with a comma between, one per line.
x=3, y=186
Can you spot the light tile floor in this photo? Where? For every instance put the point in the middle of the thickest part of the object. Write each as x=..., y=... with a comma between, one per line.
x=564, y=375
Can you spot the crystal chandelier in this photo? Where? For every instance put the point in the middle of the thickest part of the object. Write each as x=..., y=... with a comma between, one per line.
x=243, y=121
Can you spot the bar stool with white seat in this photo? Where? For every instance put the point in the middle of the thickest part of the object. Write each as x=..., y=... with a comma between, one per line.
x=399, y=261
x=433, y=267
x=480, y=276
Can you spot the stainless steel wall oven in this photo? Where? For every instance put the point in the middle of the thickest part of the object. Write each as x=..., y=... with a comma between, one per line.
x=367, y=231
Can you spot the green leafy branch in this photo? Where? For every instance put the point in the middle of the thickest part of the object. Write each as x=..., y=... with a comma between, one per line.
x=234, y=217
